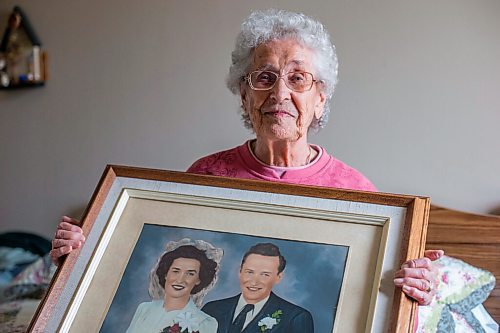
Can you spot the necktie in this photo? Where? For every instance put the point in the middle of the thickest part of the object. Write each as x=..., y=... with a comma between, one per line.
x=238, y=323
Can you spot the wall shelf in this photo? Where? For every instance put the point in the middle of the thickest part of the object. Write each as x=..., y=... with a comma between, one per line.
x=23, y=63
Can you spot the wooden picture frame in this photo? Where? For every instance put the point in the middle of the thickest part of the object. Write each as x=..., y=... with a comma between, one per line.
x=380, y=230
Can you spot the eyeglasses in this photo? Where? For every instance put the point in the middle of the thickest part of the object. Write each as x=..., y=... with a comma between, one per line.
x=266, y=80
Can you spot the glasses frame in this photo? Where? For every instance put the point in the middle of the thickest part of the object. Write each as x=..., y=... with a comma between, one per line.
x=249, y=75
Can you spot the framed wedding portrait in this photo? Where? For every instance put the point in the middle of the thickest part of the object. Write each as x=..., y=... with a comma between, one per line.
x=341, y=247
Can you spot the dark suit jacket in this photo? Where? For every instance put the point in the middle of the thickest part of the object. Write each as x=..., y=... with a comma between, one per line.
x=293, y=320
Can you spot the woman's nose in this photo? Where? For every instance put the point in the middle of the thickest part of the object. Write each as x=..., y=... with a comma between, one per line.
x=180, y=278
x=280, y=90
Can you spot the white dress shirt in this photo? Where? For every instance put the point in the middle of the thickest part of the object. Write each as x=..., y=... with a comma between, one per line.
x=251, y=314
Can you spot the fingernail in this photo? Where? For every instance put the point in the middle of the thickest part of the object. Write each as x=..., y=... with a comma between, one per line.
x=398, y=281
x=406, y=288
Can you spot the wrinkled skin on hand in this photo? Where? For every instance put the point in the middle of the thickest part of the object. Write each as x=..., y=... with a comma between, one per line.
x=68, y=236
x=419, y=278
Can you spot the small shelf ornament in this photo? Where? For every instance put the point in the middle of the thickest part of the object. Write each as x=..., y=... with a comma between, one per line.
x=23, y=63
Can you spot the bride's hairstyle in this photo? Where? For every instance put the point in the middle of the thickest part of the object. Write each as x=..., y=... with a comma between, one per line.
x=207, y=266
x=208, y=255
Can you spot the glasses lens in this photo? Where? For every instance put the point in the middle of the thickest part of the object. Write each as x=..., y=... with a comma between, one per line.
x=263, y=80
x=299, y=81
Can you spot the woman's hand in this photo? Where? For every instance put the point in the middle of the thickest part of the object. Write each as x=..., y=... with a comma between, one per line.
x=419, y=278
x=68, y=236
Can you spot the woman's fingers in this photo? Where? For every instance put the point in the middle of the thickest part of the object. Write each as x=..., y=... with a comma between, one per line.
x=420, y=284
x=433, y=254
x=68, y=236
x=58, y=243
x=57, y=253
x=417, y=273
x=418, y=278
x=418, y=263
x=422, y=297
x=70, y=220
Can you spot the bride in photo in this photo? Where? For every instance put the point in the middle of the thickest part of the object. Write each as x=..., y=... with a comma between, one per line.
x=182, y=276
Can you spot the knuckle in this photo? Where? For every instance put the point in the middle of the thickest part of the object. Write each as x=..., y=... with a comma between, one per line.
x=74, y=236
x=412, y=292
x=76, y=228
x=426, y=262
x=428, y=275
x=408, y=272
x=423, y=285
x=56, y=243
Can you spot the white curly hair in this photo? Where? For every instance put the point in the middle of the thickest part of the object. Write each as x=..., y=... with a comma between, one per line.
x=263, y=26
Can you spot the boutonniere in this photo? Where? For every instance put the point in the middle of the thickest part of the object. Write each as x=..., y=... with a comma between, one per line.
x=268, y=322
x=185, y=322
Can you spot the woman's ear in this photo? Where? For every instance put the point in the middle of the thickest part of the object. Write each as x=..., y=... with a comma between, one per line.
x=319, y=107
x=244, y=96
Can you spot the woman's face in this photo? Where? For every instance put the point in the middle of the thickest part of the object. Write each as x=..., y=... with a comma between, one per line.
x=182, y=276
x=281, y=113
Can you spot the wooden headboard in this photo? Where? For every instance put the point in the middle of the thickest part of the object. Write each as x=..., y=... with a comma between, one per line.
x=472, y=238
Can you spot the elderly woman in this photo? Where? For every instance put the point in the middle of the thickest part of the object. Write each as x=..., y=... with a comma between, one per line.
x=181, y=277
x=284, y=68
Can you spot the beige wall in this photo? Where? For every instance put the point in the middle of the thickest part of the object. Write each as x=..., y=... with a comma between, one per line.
x=142, y=83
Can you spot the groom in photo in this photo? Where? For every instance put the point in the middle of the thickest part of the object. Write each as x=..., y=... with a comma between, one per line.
x=257, y=308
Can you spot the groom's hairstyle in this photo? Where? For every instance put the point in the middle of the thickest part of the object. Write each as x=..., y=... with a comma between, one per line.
x=269, y=250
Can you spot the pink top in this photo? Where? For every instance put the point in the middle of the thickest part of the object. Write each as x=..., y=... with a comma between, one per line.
x=324, y=170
